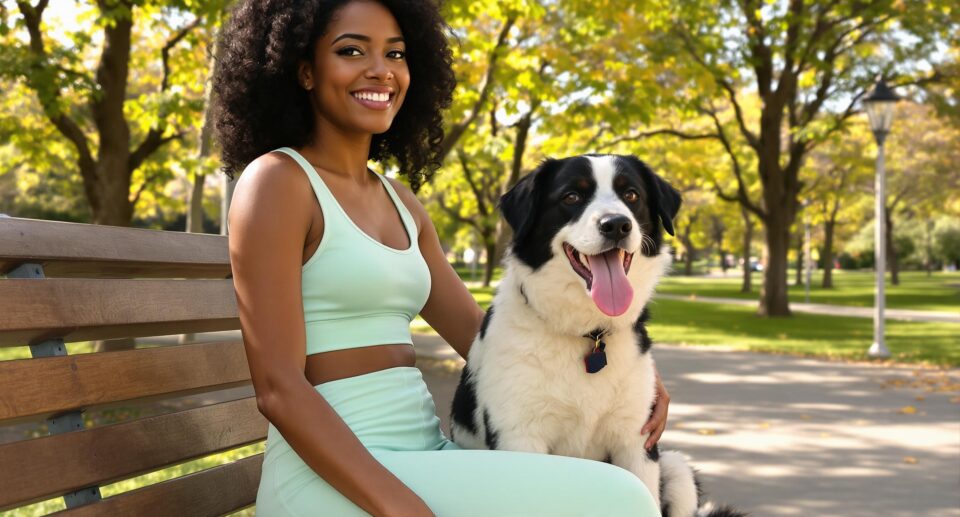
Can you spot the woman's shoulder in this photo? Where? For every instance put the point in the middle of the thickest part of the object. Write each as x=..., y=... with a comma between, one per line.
x=273, y=182
x=271, y=173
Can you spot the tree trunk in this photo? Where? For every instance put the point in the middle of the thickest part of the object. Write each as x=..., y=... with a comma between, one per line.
x=490, y=245
x=688, y=251
x=828, y=228
x=195, y=212
x=113, y=156
x=799, y=271
x=773, y=293
x=746, y=286
x=113, y=192
x=892, y=261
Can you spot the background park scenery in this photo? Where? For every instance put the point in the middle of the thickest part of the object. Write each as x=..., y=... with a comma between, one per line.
x=752, y=109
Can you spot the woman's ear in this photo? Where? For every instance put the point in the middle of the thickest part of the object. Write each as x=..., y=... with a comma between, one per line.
x=305, y=75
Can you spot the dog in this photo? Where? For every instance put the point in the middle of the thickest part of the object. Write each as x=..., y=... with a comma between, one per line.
x=562, y=362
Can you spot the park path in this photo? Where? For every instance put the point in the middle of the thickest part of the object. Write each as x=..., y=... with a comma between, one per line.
x=831, y=310
x=783, y=436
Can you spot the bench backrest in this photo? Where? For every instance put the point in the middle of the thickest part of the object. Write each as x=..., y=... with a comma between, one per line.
x=70, y=282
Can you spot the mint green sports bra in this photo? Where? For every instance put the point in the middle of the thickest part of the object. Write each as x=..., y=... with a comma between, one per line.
x=357, y=291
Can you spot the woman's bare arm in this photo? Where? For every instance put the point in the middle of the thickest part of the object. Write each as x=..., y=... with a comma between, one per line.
x=451, y=310
x=269, y=220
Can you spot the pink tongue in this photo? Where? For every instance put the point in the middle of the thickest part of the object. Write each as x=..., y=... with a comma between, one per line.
x=610, y=291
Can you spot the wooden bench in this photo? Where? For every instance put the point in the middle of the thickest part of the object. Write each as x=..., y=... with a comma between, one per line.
x=69, y=282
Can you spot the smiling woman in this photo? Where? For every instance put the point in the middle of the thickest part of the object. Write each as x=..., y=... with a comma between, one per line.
x=332, y=261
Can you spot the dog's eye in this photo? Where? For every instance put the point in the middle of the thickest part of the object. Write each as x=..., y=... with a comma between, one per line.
x=632, y=196
x=571, y=198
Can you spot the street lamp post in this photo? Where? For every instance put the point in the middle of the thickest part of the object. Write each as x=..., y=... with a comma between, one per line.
x=879, y=106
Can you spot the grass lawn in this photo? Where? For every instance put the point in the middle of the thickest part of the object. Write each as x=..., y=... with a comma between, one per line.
x=680, y=322
x=939, y=292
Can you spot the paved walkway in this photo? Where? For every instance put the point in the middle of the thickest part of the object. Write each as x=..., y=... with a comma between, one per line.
x=831, y=310
x=781, y=436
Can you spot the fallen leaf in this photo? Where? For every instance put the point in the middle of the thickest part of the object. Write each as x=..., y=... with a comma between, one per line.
x=805, y=417
x=955, y=400
x=707, y=432
x=907, y=410
x=920, y=398
x=764, y=425
x=824, y=435
x=910, y=459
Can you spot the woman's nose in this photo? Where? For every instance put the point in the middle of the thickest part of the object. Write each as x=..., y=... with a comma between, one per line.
x=379, y=69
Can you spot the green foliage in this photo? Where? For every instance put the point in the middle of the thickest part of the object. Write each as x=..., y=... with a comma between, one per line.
x=947, y=238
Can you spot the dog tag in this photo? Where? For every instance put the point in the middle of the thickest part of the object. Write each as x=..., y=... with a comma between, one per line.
x=596, y=359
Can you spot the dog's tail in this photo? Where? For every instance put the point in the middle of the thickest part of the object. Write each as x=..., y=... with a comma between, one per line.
x=680, y=491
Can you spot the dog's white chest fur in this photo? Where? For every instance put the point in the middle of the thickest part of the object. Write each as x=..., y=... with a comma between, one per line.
x=545, y=399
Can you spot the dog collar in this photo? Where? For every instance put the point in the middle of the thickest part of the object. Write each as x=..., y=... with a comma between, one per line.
x=596, y=359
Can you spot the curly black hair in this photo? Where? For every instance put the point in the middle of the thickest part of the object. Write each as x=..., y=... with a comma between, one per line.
x=260, y=106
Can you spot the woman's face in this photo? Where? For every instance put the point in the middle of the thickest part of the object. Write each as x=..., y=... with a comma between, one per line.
x=359, y=74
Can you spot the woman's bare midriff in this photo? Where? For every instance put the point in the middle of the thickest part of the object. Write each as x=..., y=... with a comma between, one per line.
x=340, y=364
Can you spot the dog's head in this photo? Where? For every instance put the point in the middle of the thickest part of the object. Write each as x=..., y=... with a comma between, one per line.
x=596, y=211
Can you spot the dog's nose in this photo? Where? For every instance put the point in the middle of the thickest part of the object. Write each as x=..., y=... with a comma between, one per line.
x=615, y=226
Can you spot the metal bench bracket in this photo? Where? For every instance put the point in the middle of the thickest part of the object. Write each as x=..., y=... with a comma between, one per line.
x=65, y=422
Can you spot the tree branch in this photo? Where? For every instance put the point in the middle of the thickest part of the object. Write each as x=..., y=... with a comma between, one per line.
x=172, y=42
x=727, y=87
x=742, y=195
x=153, y=141
x=656, y=132
x=457, y=130
x=456, y=214
x=64, y=124
x=481, y=200
x=146, y=181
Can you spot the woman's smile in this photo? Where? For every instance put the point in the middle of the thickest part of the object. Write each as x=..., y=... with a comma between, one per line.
x=376, y=98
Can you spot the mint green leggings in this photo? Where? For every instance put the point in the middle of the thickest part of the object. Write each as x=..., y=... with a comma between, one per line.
x=394, y=416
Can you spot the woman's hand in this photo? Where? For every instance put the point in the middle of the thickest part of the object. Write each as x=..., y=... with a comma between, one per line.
x=658, y=417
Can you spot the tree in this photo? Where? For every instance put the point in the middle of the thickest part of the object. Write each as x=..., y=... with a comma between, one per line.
x=809, y=64
x=843, y=174
x=923, y=153
x=114, y=127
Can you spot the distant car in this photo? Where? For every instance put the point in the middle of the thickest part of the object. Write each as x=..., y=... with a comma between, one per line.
x=756, y=266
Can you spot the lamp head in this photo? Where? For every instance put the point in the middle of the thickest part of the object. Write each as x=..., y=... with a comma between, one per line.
x=879, y=106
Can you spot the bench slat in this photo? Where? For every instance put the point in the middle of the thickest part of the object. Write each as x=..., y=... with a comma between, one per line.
x=72, y=249
x=34, y=470
x=211, y=492
x=87, y=309
x=50, y=385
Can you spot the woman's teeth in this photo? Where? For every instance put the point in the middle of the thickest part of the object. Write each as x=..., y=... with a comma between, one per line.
x=369, y=96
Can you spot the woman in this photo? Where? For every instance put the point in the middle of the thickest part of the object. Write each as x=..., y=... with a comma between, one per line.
x=331, y=261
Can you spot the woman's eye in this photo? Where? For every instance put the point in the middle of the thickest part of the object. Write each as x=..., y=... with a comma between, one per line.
x=632, y=196
x=349, y=51
x=571, y=198
x=396, y=54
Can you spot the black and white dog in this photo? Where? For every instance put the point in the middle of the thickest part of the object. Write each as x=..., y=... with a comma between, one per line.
x=586, y=254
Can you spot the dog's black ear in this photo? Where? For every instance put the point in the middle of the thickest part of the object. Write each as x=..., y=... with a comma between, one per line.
x=663, y=198
x=519, y=204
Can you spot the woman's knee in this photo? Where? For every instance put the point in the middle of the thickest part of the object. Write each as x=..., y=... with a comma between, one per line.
x=626, y=489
